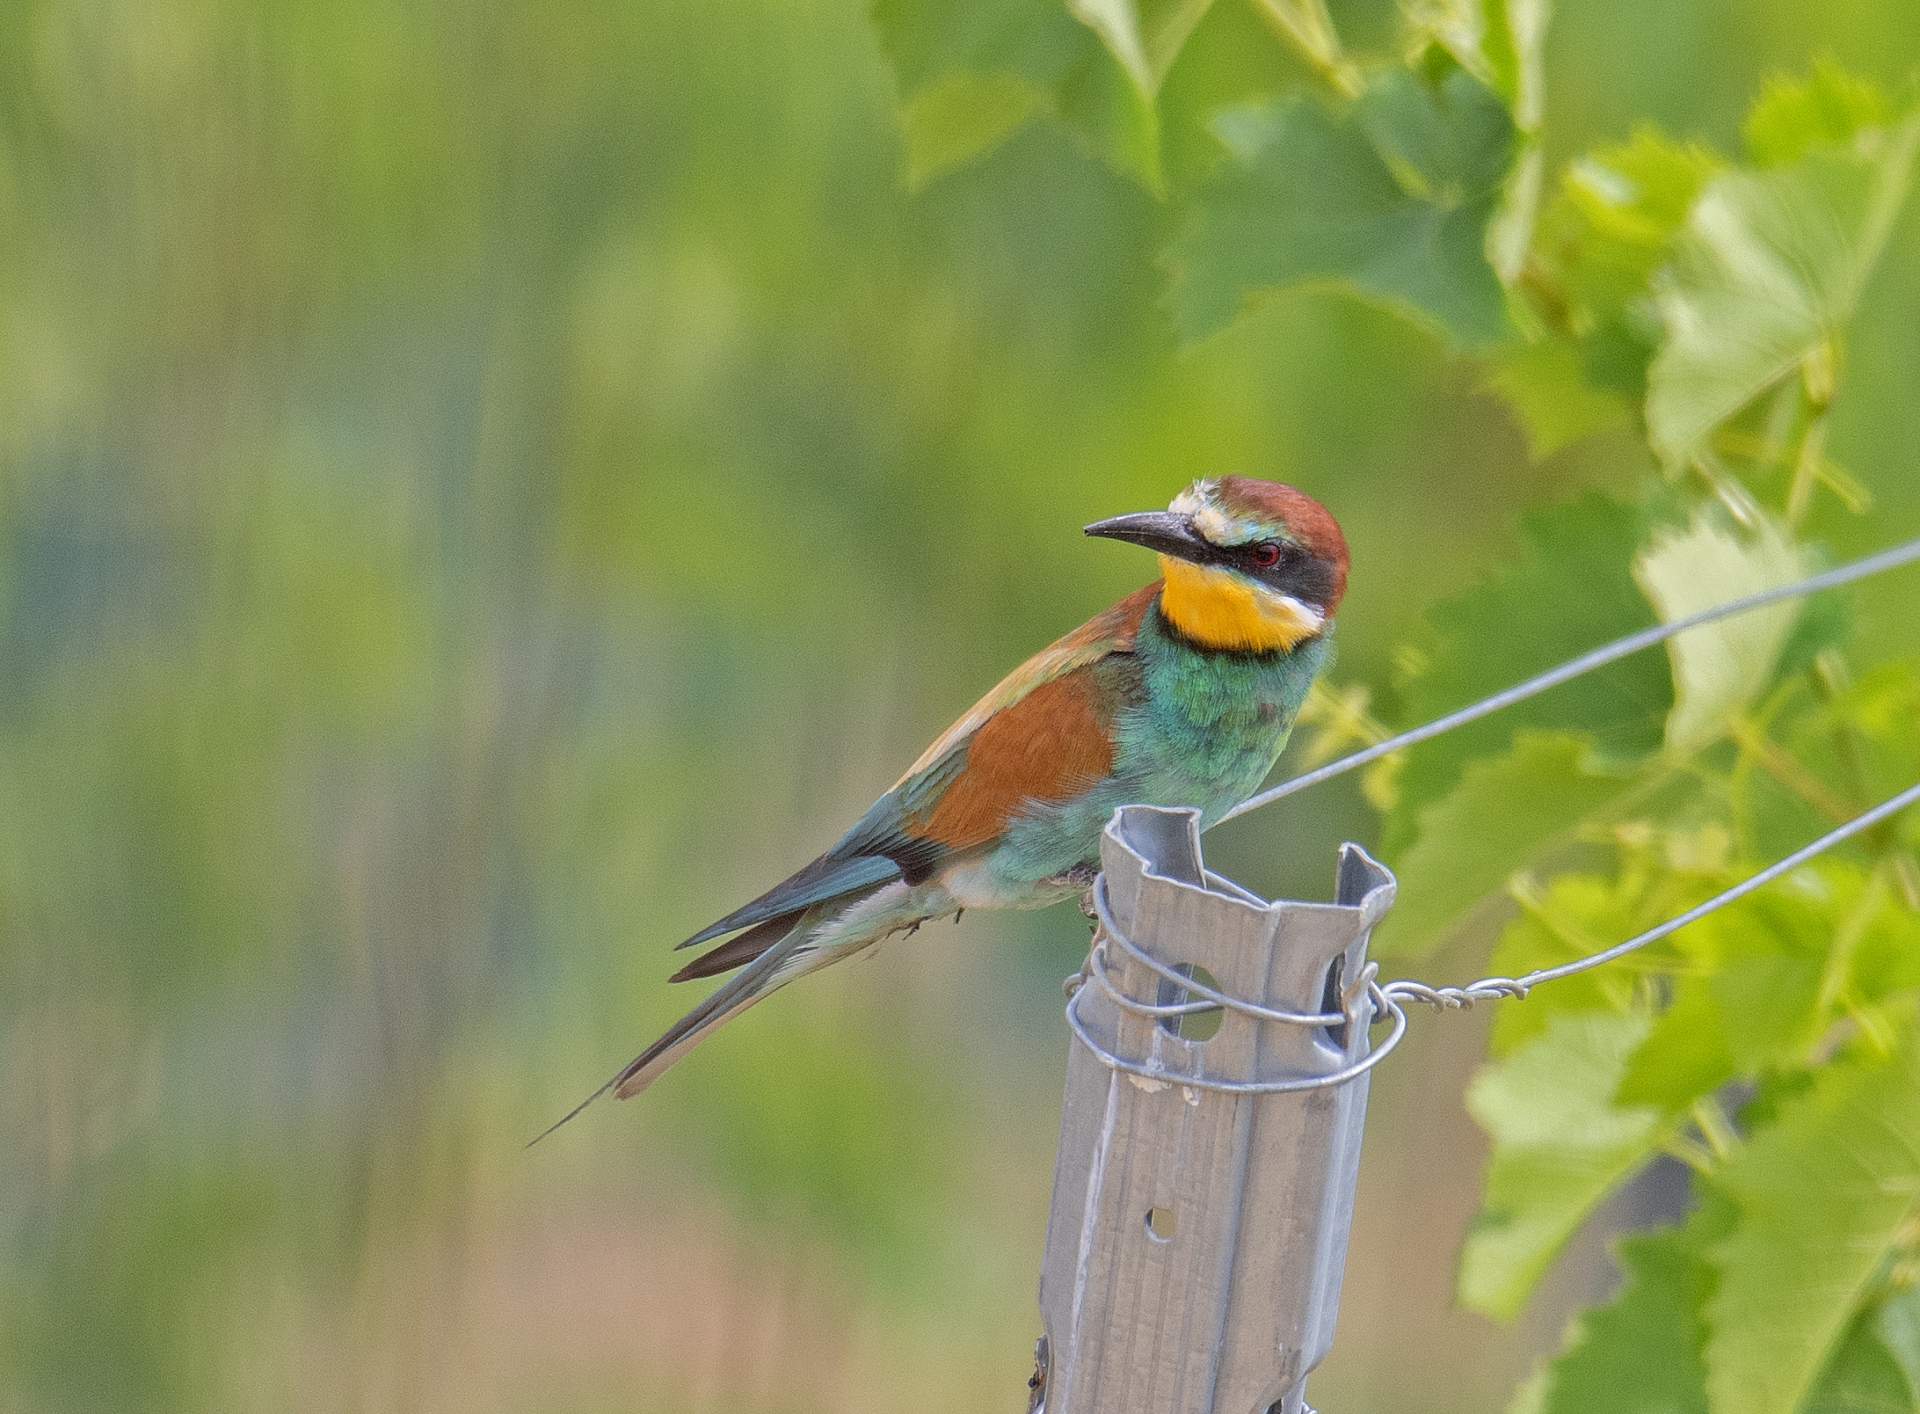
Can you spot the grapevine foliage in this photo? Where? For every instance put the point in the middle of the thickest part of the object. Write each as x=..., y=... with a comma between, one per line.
x=1701, y=299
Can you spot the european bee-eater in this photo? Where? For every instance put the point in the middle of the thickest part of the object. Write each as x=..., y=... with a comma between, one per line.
x=1183, y=693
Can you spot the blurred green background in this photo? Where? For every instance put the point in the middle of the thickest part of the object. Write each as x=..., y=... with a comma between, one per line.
x=485, y=488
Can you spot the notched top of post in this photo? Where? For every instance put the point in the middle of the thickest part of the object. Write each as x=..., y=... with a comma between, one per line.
x=1286, y=955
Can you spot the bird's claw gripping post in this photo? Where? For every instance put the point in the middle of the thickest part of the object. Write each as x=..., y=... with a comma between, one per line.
x=1203, y=1188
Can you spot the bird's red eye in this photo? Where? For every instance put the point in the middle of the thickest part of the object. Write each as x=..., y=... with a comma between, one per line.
x=1266, y=555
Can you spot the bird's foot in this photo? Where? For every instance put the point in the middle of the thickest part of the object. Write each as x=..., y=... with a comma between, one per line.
x=1037, y=1385
x=1080, y=877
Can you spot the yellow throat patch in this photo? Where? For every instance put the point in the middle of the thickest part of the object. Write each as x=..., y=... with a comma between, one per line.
x=1218, y=609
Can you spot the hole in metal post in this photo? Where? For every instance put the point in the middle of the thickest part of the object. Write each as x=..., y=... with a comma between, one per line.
x=1195, y=1025
x=1330, y=1002
x=1160, y=1224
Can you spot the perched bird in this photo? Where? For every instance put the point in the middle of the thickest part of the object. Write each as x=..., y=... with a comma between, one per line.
x=1183, y=693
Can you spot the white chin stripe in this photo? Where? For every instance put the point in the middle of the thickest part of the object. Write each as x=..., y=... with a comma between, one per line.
x=1302, y=615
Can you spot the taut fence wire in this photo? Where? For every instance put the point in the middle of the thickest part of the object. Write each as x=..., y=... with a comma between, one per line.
x=1385, y=997
x=1490, y=988
x=1893, y=558
x=1203, y=1185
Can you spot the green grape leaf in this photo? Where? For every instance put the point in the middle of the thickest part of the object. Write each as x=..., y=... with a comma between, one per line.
x=1111, y=116
x=1390, y=197
x=1559, y=1146
x=1505, y=812
x=1862, y=1378
x=1886, y=957
x=1826, y=109
x=1767, y=1007
x=1769, y=267
x=1881, y=709
x=972, y=75
x=1823, y=1196
x=1897, y=1323
x=962, y=116
x=1751, y=996
x=1606, y=230
x=1640, y=1353
x=1144, y=37
x=1545, y=384
x=1572, y=590
x=1510, y=228
x=1826, y=621
x=1501, y=43
x=1576, y=915
x=1719, y=669
x=1687, y=1054
x=926, y=41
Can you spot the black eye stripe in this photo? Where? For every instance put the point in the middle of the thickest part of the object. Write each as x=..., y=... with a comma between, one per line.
x=1267, y=554
x=1295, y=570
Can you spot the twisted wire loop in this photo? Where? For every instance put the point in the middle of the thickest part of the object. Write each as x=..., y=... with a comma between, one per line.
x=1383, y=1002
x=1487, y=989
x=1363, y=1003
x=1491, y=988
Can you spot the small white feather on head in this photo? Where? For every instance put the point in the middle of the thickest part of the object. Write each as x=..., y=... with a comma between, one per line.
x=1201, y=501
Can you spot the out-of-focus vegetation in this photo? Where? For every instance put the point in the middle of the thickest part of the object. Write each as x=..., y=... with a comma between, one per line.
x=1768, y=1053
x=1770, y=1049
x=485, y=488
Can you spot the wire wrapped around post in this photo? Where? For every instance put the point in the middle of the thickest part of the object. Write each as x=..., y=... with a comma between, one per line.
x=1203, y=1187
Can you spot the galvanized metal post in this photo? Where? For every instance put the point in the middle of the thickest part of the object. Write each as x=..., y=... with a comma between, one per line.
x=1203, y=1188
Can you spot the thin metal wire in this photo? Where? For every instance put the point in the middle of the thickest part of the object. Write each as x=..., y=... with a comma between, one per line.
x=1384, y=1001
x=1211, y=998
x=1489, y=988
x=1384, y=1005
x=1586, y=663
x=1379, y=1006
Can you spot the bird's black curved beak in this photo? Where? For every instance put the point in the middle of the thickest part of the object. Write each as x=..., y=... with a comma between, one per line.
x=1169, y=532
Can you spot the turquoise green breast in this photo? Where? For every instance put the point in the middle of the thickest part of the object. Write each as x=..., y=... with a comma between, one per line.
x=1209, y=726
x=1190, y=728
